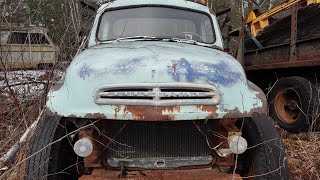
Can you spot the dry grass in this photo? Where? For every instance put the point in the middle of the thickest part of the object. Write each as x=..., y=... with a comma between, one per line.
x=303, y=153
x=15, y=117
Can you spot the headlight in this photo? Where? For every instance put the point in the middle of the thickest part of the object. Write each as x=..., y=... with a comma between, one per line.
x=237, y=144
x=83, y=147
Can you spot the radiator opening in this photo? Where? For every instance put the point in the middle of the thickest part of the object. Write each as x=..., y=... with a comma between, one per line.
x=159, y=144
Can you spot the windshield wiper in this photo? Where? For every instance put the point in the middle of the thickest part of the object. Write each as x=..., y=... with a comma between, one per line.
x=140, y=38
x=189, y=41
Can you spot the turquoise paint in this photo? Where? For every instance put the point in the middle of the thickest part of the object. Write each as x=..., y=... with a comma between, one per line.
x=128, y=62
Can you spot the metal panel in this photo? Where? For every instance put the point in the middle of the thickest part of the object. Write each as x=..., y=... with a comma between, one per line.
x=155, y=63
x=294, y=29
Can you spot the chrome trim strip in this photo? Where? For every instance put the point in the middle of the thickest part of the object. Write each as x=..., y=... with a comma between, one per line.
x=153, y=93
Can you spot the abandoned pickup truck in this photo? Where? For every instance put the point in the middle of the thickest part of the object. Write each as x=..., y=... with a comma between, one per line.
x=155, y=97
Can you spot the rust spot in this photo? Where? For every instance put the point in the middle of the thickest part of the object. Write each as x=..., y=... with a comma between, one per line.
x=57, y=86
x=116, y=111
x=229, y=124
x=93, y=159
x=226, y=164
x=174, y=67
x=205, y=174
x=50, y=113
x=212, y=110
x=237, y=114
x=95, y=116
x=151, y=113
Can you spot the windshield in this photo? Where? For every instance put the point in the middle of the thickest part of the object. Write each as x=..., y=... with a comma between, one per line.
x=156, y=22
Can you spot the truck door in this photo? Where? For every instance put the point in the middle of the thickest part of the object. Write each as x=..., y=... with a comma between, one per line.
x=18, y=52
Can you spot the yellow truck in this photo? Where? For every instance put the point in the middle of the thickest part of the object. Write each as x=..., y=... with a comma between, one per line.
x=26, y=47
x=287, y=58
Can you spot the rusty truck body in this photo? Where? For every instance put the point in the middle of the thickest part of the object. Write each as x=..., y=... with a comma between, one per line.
x=154, y=96
x=286, y=62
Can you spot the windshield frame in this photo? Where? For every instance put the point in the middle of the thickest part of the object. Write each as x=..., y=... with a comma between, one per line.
x=154, y=5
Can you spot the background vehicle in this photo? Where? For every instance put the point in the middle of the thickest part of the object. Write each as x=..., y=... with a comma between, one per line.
x=284, y=58
x=154, y=96
x=26, y=47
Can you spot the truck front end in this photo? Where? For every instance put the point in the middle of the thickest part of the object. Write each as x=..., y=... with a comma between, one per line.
x=155, y=97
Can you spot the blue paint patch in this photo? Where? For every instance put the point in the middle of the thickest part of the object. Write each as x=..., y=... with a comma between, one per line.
x=221, y=73
x=127, y=67
x=85, y=71
x=123, y=68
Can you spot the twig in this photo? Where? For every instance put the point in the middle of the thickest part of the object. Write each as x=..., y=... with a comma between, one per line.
x=15, y=148
x=48, y=145
x=82, y=45
x=22, y=83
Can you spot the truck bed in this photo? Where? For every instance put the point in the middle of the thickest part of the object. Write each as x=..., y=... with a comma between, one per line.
x=276, y=38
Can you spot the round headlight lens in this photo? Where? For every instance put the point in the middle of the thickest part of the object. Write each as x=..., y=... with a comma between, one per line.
x=237, y=144
x=83, y=147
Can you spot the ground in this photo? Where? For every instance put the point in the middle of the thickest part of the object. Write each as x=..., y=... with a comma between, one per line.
x=303, y=153
x=17, y=113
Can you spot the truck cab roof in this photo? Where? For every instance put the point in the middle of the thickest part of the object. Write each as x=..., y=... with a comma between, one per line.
x=177, y=3
x=22, y=27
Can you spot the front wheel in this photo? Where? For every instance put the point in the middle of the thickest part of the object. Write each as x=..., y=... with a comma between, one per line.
x=265, y=156
x=52, y=156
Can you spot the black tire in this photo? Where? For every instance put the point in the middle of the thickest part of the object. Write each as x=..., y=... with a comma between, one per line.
x=265, y=156
x=292, y=103
x=56, y=161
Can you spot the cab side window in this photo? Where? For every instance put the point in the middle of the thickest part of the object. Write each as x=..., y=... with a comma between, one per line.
x=18, y=38
x=22, y=38
x=38, y=38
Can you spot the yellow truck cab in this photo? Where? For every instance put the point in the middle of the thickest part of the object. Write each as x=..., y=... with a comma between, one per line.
x=26, y=47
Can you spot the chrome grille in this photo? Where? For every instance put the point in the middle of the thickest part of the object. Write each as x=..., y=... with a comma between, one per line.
x=160, y=94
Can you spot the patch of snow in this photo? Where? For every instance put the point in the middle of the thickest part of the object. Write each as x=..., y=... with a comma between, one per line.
x=26, y=82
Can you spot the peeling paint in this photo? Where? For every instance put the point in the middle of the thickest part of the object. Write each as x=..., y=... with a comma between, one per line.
x=128, y=66
x=95, y=116
x=171, y=63
x=85, y=71
x=149, y=113
x=220, y=73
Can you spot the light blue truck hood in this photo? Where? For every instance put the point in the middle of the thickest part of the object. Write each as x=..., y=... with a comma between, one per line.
x=135, y=62
x=153, y=62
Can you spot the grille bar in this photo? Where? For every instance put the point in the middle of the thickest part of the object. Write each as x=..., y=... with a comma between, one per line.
x=162, y=94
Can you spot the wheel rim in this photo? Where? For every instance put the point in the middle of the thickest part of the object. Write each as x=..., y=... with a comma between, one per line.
x=287, y=106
